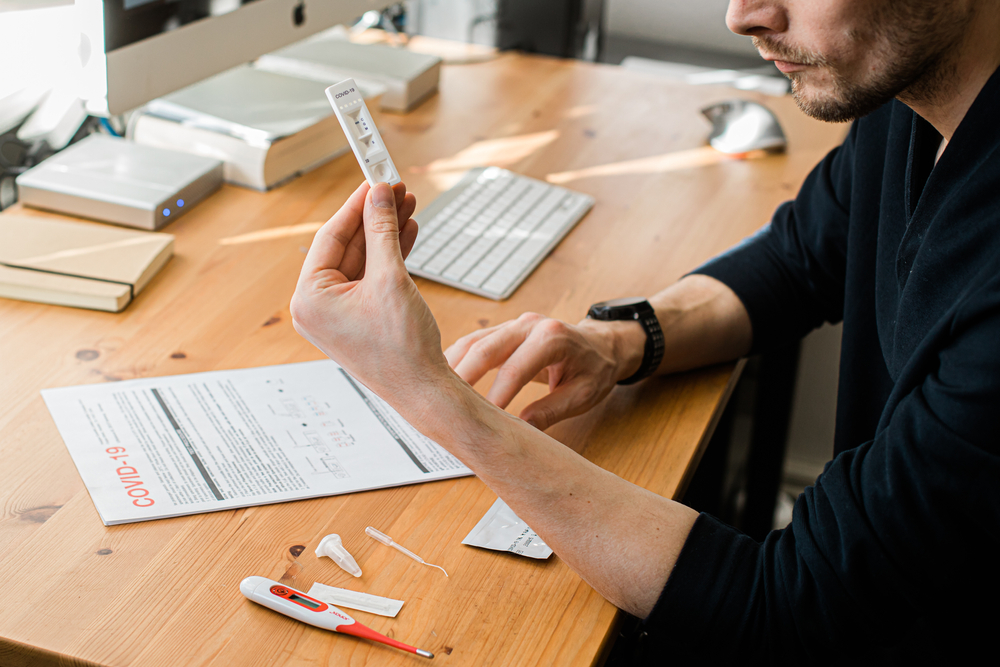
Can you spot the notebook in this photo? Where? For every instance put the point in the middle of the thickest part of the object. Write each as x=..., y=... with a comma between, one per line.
x=76, y=263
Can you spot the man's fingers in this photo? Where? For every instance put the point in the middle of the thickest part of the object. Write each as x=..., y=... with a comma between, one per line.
x=457, y=350
x=399, y=194
x=354, y=256
x=405, y=207
x=405, y=210
x=490, y=349
x=407, y=237
x=353, y=264
x=566, y=401
x=382, y=231
x=333, y=238
x=472, y=355
x=521, y=367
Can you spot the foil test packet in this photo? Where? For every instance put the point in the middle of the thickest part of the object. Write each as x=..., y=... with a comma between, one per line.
x=501, y=530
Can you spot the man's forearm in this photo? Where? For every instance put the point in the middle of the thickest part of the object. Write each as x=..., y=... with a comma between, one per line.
x=363, y=312
x=622, y=539
x=703, y=323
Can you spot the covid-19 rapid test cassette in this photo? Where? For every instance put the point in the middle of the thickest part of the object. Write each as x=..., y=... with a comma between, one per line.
x=354, y=117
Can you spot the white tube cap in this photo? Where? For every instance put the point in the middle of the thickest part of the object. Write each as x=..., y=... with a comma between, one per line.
x=331, y=547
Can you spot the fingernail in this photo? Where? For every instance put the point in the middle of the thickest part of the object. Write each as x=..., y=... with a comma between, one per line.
x=382, y=196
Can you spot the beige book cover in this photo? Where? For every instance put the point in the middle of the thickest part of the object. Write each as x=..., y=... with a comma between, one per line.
x=76, y=263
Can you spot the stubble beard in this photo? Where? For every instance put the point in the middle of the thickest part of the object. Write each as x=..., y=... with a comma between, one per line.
x=913, y=41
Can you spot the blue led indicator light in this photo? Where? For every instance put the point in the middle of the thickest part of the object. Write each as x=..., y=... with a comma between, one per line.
x=166, y=212
x=180, y=203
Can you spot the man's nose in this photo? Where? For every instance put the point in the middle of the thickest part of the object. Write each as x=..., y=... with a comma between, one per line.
x=757, y=18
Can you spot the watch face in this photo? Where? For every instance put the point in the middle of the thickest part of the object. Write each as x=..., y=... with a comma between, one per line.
x=618, y=303
x=618, y=309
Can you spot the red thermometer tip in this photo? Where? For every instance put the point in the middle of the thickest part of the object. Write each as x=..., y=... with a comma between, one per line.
x=365, y=632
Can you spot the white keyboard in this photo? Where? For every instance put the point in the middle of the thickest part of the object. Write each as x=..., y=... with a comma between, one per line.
x=489, y=232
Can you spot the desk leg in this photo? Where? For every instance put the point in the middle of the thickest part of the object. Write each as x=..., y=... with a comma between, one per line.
x=705, y=492
x=765, y=462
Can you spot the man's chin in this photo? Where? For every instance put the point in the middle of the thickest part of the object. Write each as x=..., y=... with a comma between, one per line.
x=822, y=104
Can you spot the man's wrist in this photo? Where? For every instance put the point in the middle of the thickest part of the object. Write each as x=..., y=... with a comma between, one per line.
x=450, y=412
x=626, y=340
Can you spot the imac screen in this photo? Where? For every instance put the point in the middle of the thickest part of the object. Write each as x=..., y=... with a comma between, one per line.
x=128, y=21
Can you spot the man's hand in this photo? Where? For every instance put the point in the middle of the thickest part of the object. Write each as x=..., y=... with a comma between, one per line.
x=355, y=300
x=703, y=322
x=581, y=363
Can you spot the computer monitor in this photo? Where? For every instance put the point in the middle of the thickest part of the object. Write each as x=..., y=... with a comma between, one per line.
x=134, y=51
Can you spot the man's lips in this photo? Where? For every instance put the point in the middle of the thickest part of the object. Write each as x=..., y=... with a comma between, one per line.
x=785, y=66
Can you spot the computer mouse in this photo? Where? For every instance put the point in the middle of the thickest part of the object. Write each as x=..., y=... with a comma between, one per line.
x=741, y=126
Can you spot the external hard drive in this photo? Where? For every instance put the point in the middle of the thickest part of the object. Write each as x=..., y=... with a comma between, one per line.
x=119, y=181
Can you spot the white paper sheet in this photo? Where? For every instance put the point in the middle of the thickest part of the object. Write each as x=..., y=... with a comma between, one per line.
x=342, y=597
x=160, y=447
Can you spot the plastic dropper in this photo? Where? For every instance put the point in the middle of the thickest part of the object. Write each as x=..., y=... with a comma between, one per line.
x=379, y=536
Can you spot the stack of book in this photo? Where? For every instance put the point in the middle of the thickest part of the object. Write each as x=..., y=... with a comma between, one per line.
x=265, y=127
x=76, y=263
x=408, y=77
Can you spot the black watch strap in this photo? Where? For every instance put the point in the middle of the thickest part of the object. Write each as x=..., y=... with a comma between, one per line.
x=652, y=355
x=641, y=311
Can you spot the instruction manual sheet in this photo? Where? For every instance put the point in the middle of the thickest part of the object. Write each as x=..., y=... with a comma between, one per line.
x=162, y=447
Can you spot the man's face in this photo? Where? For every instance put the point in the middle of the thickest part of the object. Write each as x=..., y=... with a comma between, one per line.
x=846, y=58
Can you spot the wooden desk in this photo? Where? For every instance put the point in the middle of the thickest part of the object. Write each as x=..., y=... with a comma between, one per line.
x=166, y=592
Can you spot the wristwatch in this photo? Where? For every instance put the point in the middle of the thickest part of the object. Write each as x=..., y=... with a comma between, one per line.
x=635, y=308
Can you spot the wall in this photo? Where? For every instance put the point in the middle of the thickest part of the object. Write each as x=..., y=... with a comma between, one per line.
x=453, y=19
x=814, y=406
x=700, y=25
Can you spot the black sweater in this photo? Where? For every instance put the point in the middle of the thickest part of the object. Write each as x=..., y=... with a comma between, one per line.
x=892, y=554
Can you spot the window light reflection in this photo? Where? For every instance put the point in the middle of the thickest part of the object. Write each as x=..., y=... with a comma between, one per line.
x=274, y=233
x=494, y=152
x=656, y=164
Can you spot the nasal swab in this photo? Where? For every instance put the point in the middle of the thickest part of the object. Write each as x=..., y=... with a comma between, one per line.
x=386, y=540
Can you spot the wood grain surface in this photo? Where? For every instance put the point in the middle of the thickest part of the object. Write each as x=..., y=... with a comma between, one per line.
x=166, y=592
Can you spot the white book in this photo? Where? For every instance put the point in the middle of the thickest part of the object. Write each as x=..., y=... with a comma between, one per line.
x=265, y=127
x=408, y=77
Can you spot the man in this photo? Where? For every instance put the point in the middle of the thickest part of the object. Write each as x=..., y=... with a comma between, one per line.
x=897, y=233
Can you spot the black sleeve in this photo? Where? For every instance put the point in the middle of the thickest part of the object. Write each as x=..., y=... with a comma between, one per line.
x=790, y=275
x=892, y=548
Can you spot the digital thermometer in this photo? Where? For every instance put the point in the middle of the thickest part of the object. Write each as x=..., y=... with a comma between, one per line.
x=354, y=117
x=301, y=607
